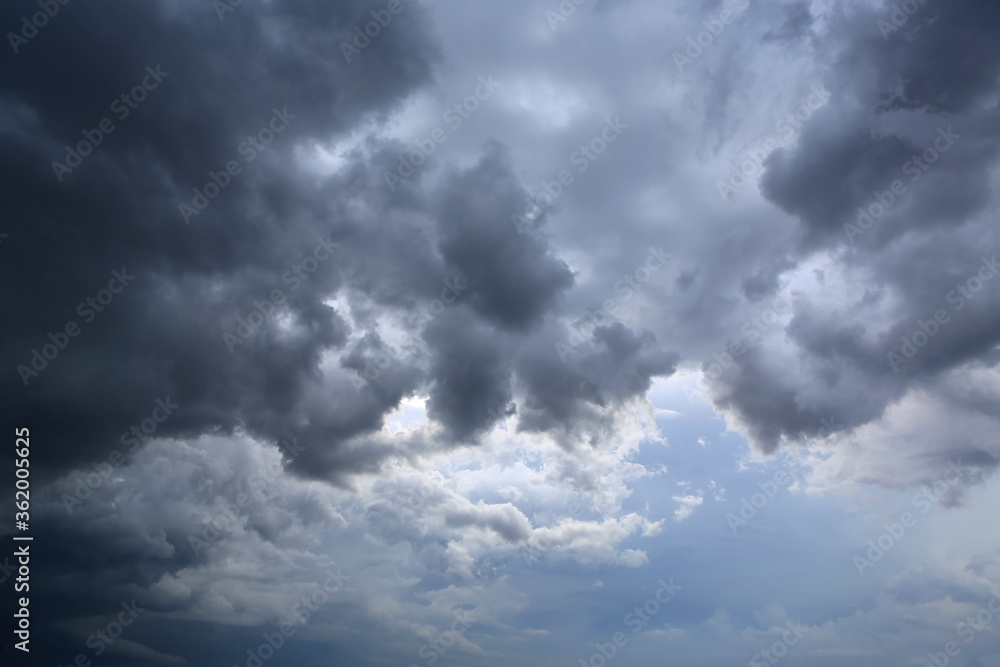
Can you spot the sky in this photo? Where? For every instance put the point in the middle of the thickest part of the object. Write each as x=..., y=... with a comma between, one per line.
x=464, y=333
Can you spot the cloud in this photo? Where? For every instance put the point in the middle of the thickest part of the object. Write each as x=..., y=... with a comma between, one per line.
x=687, y=504
x=396, y=381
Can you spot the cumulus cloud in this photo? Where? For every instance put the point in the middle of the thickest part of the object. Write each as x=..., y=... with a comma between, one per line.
x=248, y=358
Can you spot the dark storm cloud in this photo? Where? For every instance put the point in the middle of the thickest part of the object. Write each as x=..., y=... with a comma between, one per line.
x=227, y=312
x=826, y=177
x=946, y=64
x=219, y=82
x=944, y=58
x=308, y=301
x=615, y=365
x=770, y=399
x=514, y=277
x=911, y=109
x=470, y=371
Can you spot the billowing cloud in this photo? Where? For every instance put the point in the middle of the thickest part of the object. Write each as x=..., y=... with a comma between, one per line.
x=438, y=313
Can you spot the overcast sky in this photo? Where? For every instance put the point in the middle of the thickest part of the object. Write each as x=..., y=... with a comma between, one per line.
x=466, y=333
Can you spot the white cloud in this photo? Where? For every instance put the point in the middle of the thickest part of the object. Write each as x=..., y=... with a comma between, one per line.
x=687, y=505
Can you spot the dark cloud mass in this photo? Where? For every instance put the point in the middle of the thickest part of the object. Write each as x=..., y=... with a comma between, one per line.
x=290, y=289
x=119, y=208
x=932, y=84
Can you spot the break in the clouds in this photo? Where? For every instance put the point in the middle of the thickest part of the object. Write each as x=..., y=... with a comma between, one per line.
x=466, y=333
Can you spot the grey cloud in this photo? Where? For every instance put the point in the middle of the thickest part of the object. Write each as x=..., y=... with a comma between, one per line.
x=514, y=277
x=615, y=365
